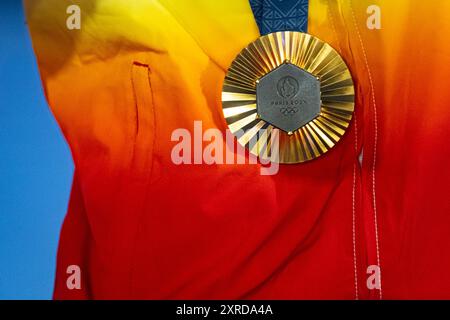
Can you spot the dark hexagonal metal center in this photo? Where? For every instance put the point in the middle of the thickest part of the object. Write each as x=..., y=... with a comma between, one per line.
x=288, y=97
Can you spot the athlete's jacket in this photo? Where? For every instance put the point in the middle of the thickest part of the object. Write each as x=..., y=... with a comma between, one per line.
x=140, y=226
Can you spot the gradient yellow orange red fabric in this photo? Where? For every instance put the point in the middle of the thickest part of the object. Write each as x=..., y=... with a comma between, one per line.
x=142, y=227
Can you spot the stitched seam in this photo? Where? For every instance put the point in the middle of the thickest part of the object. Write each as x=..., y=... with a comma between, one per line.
x=355, y=262
x=374, y=104
x=354, y=214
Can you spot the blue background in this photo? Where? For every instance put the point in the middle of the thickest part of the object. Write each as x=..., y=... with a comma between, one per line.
x=35, y=167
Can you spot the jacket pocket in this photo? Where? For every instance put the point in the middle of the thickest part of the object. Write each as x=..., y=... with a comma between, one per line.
x=145, y=117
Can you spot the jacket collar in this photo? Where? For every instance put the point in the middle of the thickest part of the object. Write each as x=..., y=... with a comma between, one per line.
x=221, y=28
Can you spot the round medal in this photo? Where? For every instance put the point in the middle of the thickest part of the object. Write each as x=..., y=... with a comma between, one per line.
x=288, y=97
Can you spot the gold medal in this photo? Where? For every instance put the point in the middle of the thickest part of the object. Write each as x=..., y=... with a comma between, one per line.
x=292, y=88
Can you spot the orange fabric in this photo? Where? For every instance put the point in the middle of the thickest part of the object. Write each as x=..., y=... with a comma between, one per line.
x=141, y=227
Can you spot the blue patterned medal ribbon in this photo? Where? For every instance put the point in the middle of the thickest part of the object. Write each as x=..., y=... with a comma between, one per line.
x=280, y=15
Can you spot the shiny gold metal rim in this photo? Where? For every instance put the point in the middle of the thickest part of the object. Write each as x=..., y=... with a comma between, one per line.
x=310, y=54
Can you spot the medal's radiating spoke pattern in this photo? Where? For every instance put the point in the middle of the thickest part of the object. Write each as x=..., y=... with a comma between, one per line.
x=313, y=56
